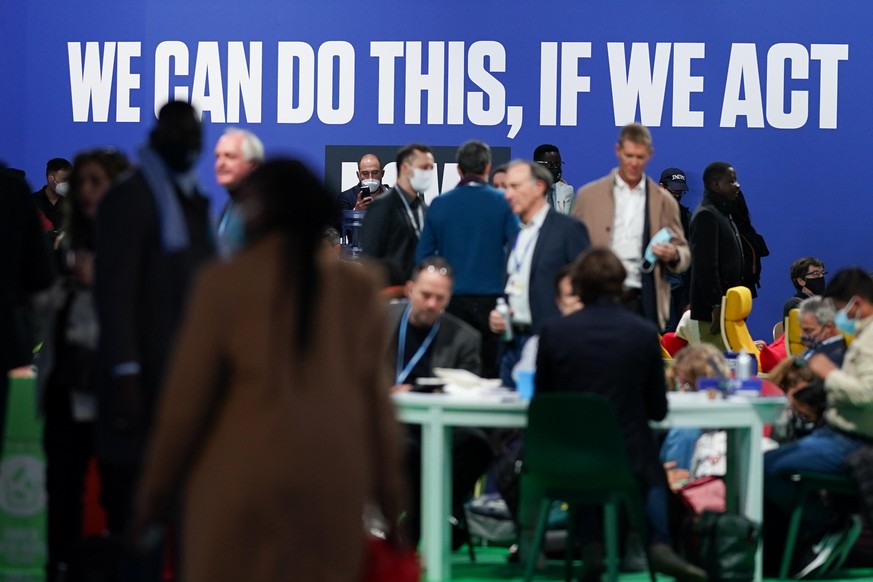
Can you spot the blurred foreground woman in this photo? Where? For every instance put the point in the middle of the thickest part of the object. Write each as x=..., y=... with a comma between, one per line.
x=275, y=423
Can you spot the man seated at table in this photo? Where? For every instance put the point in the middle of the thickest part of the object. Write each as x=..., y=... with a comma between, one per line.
x=424, y=337
x=608, y=349
x=818, y=332
x=848, y=427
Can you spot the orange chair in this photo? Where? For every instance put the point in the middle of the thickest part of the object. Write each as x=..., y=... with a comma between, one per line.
x=736, y=305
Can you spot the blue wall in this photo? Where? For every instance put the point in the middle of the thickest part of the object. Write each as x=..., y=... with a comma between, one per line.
x=800, y=162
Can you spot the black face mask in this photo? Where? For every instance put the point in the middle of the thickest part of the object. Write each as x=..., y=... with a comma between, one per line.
x=556, y=174
x=178, y=157
x=816, y=286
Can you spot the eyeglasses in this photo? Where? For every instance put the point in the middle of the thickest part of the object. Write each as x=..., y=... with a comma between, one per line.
x=550, y=165
x=815, y=274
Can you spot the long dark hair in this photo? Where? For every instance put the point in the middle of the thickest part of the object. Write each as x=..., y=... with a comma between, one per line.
x=79, y=228
x=292, y=201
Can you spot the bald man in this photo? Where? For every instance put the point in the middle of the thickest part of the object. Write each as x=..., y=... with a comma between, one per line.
x=369, y=186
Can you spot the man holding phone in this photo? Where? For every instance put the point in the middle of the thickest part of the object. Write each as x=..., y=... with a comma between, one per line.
x=369, y=186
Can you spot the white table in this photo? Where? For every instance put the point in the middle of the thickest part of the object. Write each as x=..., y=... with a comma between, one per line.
x=438, y=413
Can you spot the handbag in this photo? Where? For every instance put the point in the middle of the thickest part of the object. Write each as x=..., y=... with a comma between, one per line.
x=726, y=546
x=705, y=493
x=385, y=563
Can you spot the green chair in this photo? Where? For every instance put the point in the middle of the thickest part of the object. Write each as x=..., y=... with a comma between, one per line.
x=575, y=452
x=808, y=484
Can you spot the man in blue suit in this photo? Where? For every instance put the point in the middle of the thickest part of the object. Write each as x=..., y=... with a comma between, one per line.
x=547, y=241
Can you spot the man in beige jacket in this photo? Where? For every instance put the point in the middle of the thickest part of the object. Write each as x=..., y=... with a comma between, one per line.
x=624, y=211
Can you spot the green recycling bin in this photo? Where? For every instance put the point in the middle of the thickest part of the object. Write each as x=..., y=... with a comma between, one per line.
x=22, y=488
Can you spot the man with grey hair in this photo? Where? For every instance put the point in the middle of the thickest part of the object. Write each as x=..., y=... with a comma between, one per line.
x=471, y=227
x=818, y=332
x=548, y=241
x=237, y=154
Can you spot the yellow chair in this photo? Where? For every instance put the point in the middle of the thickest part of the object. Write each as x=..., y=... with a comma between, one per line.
x=736, y=305
x=793, y=345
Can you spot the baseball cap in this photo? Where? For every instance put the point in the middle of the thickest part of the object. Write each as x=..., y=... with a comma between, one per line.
x=674, y=179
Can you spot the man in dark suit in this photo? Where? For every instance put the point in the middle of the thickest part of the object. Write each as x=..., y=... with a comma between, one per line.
x=548, y=240
x=424, y=337
x=153, y=232
x=716, y=251
x=609, y=350
x=393, y=223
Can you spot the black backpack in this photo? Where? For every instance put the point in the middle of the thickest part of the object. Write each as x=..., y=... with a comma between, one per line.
x=725, y=546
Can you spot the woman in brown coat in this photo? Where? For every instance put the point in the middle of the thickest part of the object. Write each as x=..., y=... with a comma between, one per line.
x=275, y=421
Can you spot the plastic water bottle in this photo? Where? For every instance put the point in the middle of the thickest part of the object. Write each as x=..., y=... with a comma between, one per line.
x=503, y=309
x=744, y=365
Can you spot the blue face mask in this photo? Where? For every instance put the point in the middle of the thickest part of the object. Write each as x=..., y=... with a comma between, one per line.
x=664, y=235
x=842, y=321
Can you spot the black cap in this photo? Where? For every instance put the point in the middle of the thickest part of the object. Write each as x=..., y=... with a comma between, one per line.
x=674, y=179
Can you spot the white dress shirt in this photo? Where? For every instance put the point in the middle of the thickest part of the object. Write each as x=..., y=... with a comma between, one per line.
x=627, y=228
x=519, y=266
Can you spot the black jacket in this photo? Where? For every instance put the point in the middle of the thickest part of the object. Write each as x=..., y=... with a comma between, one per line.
x=388, y=236
x=140, y=291
x=754, y=246
x=716, y=255
x=606, y=349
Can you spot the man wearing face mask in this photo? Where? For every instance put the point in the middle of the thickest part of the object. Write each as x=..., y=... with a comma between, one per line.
x=560, y=194
x=673, y=181
x=848, y=423
x=808, y=278
x=369, y=186
x=153, y=233
x=48, y=198
x=393, y=223
x=471, y=227
x=818, y=332
x=716, y=251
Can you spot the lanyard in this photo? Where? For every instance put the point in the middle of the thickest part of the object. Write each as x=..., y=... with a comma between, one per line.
x=416, y=226
x=518, y=260
x=403, y=372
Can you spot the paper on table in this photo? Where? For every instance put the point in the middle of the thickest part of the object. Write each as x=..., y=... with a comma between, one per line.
x=464, y=381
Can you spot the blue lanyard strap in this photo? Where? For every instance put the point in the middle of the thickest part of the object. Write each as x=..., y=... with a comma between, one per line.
x=517, y=260
x=403, y=372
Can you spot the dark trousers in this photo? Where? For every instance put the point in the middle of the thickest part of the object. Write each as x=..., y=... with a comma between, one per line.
x=474, y=310
x=118, y=487
x=656, y=505
x=68, y=447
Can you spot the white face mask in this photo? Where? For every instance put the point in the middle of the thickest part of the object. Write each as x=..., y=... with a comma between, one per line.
x=371, y=184
x=62, y=188
x=421, y=179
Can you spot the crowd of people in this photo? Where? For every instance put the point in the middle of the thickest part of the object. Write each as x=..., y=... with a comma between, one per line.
x=196, y=359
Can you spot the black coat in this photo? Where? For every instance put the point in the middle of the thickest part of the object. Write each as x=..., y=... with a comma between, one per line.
x=140, y=292
x=606, y=349
x=754, y=245
x=388, y=236
x=716, y=255
x=25, y=268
